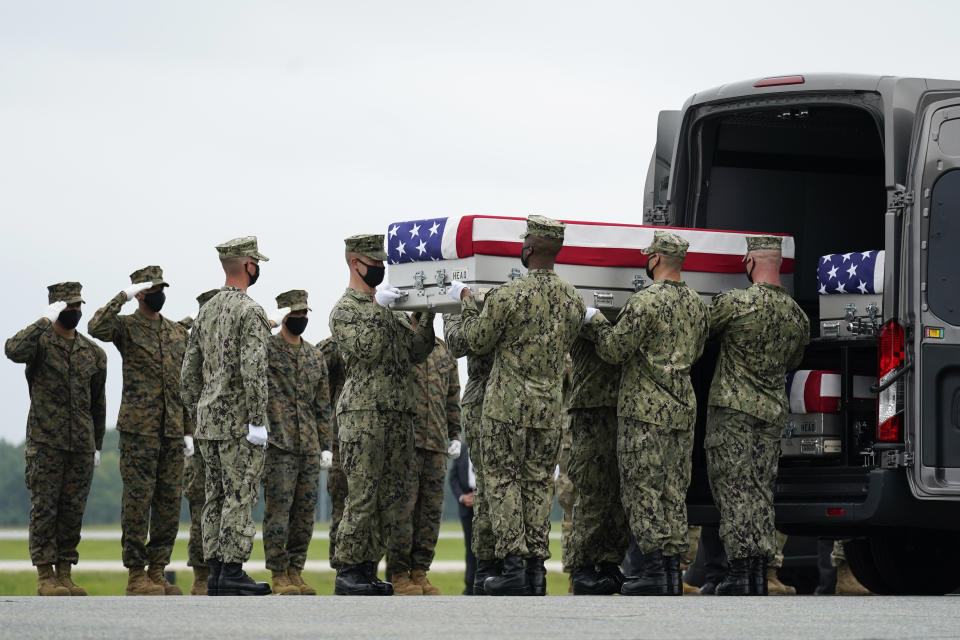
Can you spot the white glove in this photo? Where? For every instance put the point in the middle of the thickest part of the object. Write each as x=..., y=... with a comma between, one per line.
x=257, y=435
x=96, y=458
x=276, y=318
x=456, y=289
x=52, y=312
x=387, y=295
x=134, y=289
x=453, y=451
x=188, y=446
x=326, y=459
x=590, y=313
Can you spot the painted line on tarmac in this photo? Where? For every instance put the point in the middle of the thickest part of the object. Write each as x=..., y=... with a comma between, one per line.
x=440, y=566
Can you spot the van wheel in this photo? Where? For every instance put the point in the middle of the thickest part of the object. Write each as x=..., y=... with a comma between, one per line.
x=916, y=562
x=860, y=558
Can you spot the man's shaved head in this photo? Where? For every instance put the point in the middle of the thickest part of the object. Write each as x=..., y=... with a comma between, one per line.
x=232, y=266
x=546, y=247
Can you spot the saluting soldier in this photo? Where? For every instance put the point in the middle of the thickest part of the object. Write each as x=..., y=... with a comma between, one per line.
x=225, y=387
x=154, y=431
x=194, y=478
x=762, y=332
x=374, y=413
x=336, y=481
x=658, y=336
x=299, y=446
x=529, y=324
x=66, y=375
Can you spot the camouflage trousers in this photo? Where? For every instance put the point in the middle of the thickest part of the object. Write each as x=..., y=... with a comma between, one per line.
x=519, y=464
x=655, y=464
x=337, y=490
x=234, y=468
x=194, y=479
x=565, y=488
x=838, y=557
x=152, y=473
x=742, y=457
x=376, y=448
x=482, y=541
x=600, y=532
x=291, y=490
x=59, y=483
x=414, y=541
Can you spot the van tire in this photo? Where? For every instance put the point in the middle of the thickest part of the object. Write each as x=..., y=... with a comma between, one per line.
x=860, y=558
x=916, y=562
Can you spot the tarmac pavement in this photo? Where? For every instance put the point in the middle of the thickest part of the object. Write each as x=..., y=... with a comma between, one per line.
x=553, y=618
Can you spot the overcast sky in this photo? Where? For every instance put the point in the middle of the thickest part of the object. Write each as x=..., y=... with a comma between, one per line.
x=145, y=132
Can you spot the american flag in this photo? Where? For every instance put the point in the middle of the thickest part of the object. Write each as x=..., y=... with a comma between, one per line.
x=416, y=240
x=855, y=272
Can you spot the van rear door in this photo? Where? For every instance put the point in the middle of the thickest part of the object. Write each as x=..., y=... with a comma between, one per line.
x=932, y=260
x=656, y=191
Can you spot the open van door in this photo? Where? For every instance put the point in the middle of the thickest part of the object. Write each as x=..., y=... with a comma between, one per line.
x=932, y=263
x=656, y=192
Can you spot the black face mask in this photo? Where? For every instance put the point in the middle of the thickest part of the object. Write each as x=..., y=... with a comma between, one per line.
x=753, y=265
x=373, y=276
x=525, y=261
x=650, y=269
x=69, y=318
x=155, y=300
x=296, y=324
x=255, y=276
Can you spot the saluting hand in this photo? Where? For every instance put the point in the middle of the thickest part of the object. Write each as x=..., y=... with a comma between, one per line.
x=134, y=289
x=52, y=312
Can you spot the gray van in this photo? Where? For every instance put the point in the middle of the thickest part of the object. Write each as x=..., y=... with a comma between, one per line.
x=846, y=163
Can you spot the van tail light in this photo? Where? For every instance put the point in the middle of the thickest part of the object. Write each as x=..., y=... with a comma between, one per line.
x=778, y=81
x=890, y=400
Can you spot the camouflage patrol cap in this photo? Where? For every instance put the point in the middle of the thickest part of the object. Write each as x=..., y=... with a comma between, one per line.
x=206, y=295
x=667, y=243
x=68, y=292
x=295, y=300
x=186, y=323
x=544, y=227
x=152, y=274
x=245, y=247
x=369, y=245
x=758, y=243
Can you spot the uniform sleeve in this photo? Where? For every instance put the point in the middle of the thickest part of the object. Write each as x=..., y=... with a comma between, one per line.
x=796, y=357
x=454, y=479
x=424, y=339
x=453, y=401
x=24, y=345
x=322, y=405
x=98, y=400
x=721, y=312
x=362, y=334
x=254, y=332
x=616, y=343
x=482, y=330
x=106, y=324
x=191, y=374
x=453, y=336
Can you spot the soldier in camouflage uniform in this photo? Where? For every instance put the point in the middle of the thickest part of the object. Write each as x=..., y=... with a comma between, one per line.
x=600, y=534
x=299, y=446
x=154, y=432
x=483, y=543
x=762, y=334
x=529, y=324
x=66, y=375
x=374, y=413
x=336, y=481
x=194, y=478
x=225, y=387
x=659, y=334
x=436, y=436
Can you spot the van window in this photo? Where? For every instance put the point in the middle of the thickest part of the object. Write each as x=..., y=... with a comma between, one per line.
x=943, y=256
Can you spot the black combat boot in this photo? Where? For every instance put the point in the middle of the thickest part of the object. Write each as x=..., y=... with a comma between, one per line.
x=652, y=579
x=611, y=570
x=235, y=582
x=586, y=581
x=512, y=580
x=739, y=580
x=674, y=575
x=352, y=580
x=213, y=580
x=383, y=588
x=485, y=568
x=536, y=577
x=758, y=577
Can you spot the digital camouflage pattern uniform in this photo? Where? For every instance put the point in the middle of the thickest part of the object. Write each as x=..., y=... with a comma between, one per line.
x=336, y=481
x=68, y=407
x=298, y=407
x=225, y=387
x=194, y=479
x=436, y=392
x=529, y=324
x=658, y=336
x=483, y=543
x=152, y=423
x=374, y=413
x=762, y=334
x=599, y=531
